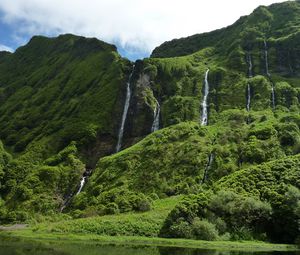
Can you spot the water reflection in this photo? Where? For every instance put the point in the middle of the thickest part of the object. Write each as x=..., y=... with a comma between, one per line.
x=9, y=246
x=185, y=251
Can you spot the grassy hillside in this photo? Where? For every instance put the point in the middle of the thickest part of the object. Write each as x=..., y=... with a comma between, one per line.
x=126, y=224
x=175, y=160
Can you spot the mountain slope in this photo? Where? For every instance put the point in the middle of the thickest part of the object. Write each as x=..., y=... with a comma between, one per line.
x=57, y=86
x=62, y=105
x=181, y=158
x=276, y=22
x=52, y=91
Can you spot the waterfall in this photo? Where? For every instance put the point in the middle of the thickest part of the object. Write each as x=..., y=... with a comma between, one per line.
x=248, y=97
x=208, y=166
x=268, y=74
x=250, y=66
x=155, y=124
x=125, y=111
x=273, y=95
x=82, y=182
x=204, y=117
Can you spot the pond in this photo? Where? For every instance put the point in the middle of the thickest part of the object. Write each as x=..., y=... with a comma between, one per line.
x=14, y=246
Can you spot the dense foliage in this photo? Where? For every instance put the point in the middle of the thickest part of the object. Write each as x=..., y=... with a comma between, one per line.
x=260, y=202
x=61, y=104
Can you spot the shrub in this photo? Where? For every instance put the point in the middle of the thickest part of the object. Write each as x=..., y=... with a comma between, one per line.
x=90, y=211
x=49, y=175
x=181, y=229
x=111, y=208
x=239, y=211
x=242, y=233
x=124, y=204
x=23, y=193
x=285, y=221
x=142, y=204
x=204, y=230
x=76, y=214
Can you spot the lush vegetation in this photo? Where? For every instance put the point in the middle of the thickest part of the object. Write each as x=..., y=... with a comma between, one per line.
x=259, y=202
x=126, y=224
x=61, y=106
x=181, y=154
x=129, y=228
x=278, y=21
x=51, y=91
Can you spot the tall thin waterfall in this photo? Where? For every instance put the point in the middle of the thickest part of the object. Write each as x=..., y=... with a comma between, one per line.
x=268, y=74
x=248, y=97
x=125, y=111
x=208, y=166
x=204, y=117
x=273, y=96
x=155, y=124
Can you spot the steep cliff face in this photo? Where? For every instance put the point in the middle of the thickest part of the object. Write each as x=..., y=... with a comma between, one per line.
x=268, y=36
x=142, y=104
x=68, y=86
x=62, y=101
x=60, y=110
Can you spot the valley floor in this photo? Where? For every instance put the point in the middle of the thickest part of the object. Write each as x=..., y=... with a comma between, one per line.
x=129, y=229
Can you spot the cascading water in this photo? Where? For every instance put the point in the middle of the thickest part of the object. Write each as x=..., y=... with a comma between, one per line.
x=273, y=96
x=88, y=172
x=204, y=117
x=208, y=166
x=82, y=182
x=248, y=97
x=125, y=111
x=155, y=125
x=268, y=73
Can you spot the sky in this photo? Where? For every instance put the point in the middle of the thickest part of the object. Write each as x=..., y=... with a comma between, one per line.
x=136, y=27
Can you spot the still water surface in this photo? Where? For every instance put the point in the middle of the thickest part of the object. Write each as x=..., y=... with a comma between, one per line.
x=9, y=246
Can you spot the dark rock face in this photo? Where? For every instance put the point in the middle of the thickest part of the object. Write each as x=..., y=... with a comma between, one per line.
x=287, y=61
x=103, y=146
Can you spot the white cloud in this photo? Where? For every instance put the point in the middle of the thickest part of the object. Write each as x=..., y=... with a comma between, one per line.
x=140, y=24
x=5, y=48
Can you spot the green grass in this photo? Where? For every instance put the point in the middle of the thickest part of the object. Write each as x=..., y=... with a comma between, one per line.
x=127, y=224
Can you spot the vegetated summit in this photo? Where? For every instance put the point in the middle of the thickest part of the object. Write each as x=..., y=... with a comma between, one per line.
x=213, y=117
